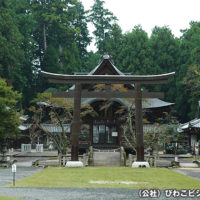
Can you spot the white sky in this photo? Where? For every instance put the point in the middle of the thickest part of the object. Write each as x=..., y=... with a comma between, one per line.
x=150, y=13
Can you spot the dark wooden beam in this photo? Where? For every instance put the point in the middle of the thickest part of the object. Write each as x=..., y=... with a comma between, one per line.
x=110, y=94
x=92, y=79
x=107, y=81
x=139, y=123
x=76, y=122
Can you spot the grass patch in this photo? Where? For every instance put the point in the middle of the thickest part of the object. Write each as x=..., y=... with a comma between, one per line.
x=114, y=177
x=8, y=198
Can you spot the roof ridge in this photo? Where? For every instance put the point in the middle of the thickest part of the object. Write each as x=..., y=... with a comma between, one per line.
x=106, y=57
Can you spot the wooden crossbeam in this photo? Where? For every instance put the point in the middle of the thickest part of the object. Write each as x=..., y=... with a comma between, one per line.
x=108, y=94
x=107, y=79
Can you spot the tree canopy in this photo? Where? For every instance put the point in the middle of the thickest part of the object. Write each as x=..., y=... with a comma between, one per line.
x=53, y=35
x=9, y=118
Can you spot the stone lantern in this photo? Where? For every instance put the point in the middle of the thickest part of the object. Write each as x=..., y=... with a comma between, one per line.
x=4, y=150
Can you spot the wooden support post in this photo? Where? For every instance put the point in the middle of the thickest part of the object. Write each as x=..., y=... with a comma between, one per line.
x=139, y=123
x=76, y=122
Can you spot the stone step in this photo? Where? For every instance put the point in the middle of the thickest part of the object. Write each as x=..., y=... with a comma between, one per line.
x=188, y=165
x=106, y=158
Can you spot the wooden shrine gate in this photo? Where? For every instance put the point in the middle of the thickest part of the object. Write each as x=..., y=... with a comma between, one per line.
x=78, y=80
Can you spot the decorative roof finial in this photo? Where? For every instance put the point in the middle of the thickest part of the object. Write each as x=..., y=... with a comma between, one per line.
x=106, y=56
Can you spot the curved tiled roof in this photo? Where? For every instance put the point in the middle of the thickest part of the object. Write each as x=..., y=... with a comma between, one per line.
x=49, y=127
x=146, y=104
x=195, y=123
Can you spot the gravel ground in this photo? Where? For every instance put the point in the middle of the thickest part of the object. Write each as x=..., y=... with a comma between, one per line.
x=76, y=194
x=6, y=175
x=192, y=172
x=68, y=193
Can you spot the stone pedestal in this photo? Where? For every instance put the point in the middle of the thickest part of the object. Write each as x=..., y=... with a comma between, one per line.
x=141, y=164
x=176, y=159
x=74, y=164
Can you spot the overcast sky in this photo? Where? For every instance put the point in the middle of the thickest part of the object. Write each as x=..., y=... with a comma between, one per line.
x=148, y=13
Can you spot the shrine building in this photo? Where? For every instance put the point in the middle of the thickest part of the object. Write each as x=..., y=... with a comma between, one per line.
x=105, y=130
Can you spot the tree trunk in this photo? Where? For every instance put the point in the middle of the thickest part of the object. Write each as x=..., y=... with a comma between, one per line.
x=60, y=158
x=45, y=39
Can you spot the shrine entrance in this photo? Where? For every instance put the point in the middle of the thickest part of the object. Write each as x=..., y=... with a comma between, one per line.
x=106, y=128
x=104, y=133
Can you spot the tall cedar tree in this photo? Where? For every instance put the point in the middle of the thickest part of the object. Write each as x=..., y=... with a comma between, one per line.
x=102, y=20
x=188, y=73
x=165, y=49
x=135, y=54
x=23, y=19
x=11, y=54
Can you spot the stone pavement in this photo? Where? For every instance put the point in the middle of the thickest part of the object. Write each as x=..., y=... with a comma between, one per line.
x=192, y=172
x=24, y=169
x=79, y=194
x=68, y=193
x=18, y=153
x=6, y=176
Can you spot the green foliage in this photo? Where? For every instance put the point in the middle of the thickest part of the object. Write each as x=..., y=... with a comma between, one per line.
x=102, y=20
x=192, y=80
x=190, y=44
x=155, y=138
x=57, y=111
x=114, y=44
x=92, y=61
x=56, y=29
x=190, y=62
x=9, y=118
x=172, y=138
x=158, y=136
x=165, y=50
x=23, y=19
x=136, y=53
x=11, y=54
x=163, y=136
x=53, y=35
x=82, y=36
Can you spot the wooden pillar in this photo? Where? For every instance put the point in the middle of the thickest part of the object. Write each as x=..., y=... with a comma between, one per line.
x=91, y=133
x=139, y=123
x=118, y=127
x=76, y=122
